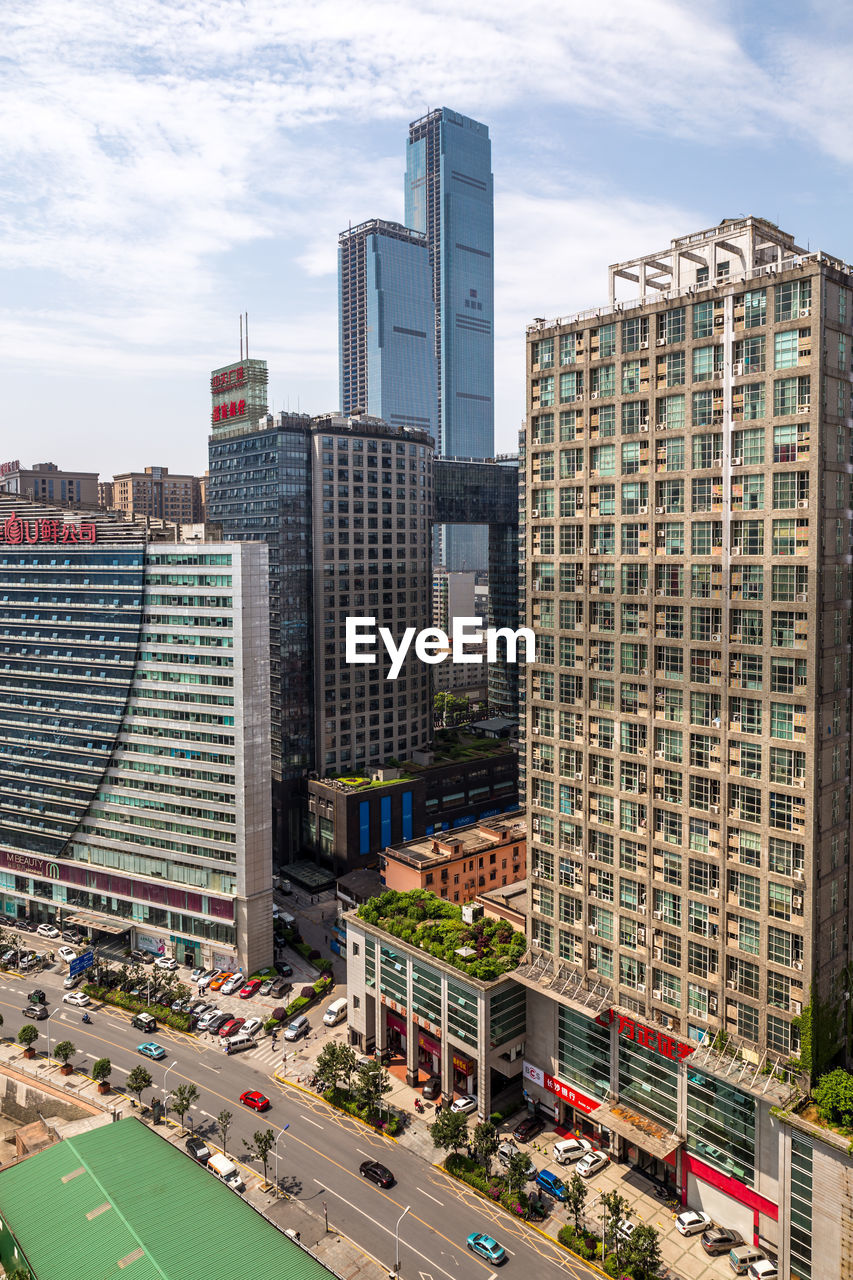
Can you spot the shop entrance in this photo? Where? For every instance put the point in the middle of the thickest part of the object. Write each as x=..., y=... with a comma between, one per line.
x=397, y=1035
x=464, y=1072
x=429, y=1054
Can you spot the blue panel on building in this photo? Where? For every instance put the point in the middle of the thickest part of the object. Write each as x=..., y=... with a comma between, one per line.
x=407, y=815
x=385, y=817
x=364, y=827
x=463, y=822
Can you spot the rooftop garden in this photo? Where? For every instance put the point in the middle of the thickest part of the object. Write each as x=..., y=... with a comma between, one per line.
x=485, y=949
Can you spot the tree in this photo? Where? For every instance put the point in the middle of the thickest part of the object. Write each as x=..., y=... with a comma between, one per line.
x=138, y=1080
x=642, y=1253
x=615, y=1210
x=371, y=1082
x=335, y=1064
x=223, y=1121
x=449, y=708
x=28, y=1035
x=484, y=1144
x=516, y=1172
x=182, y=1098
x=833, y=1094
x=101, y=1070
x=449, y=1130
x=63, y=1051
x=263, y=1141
x=181, y=992
x=576, y=1191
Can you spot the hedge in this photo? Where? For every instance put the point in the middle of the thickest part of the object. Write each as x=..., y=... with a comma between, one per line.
x=133, y=1004
x=339, y=1098
x=492, y=1185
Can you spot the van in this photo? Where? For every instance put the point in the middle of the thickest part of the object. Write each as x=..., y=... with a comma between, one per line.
x=336, y=1012
x=144, y=1022
x=299, y=1027
x=226, y=1172
x=287, y=919
x=742, y=1257
x=242, y=1040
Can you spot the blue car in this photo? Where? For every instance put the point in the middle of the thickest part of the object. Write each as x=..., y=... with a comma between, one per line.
x=151, y=1050
x=486, y=1247
x=551, y=1183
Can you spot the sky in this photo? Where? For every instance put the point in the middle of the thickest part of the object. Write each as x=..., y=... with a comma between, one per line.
x=166, y=166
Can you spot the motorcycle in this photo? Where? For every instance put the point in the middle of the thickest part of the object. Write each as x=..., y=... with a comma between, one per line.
x=419, y=1106
x=86, y=1018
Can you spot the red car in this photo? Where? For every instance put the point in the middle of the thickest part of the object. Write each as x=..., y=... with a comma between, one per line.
x=250, y=988
x=232, y=1026
x=255, y=1100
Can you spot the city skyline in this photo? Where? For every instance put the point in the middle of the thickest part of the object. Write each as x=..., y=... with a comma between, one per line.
x=174, y=208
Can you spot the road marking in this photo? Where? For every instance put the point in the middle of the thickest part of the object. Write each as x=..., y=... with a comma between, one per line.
x=429, y=1197
x=388, y=1230
x=314, y=1122
x=363, y=1153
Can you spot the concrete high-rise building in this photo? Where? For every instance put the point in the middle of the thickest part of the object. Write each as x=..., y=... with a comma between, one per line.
x=45, y=482
x=156, y=493
x=450, y=198
x=387, y=322
x=134, y=757
x=687, y=555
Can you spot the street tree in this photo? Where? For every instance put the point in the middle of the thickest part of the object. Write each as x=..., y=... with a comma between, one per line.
x=263, y=1141
x=139, y=1080
x=372, y=1081
x=28, y=1035
x=223, y=1122
x=615, y=1210
x=64, y=1051
x=335, y=1064
x=449, y=1131
x=516, y=1172
x=101, y=1070
x=576, y=1192
x=484, y=1144
x=182, y=1098
x=641, y=1254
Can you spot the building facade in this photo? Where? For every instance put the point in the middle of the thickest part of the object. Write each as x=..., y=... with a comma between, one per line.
x=449, y=197
x=461, y=865
x=387, y=323
x=155, y=492
x=134, y=766
x=45, y=482
x=687, y=573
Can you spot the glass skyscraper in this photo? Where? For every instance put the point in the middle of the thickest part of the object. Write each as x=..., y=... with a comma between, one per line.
x=387, y=361
x=450, y=197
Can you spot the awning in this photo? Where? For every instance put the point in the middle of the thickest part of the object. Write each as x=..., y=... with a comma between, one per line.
x=639, y=1130
x=105, y=924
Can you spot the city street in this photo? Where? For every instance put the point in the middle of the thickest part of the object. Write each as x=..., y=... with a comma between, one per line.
x=320, y=1152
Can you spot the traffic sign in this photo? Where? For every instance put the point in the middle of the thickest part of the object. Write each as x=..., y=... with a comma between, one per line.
x=84, y=961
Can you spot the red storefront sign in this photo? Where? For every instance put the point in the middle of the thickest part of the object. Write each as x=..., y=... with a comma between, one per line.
x=463, y=1063
x=651, y=1039
x=228, y=380
x=15, y=531
x=568, y=1094
x=6, y=468
x=427, y=1042
x=233, y=409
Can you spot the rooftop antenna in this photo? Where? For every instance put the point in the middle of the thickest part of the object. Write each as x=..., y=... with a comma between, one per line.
x=241, y=335
x=247, y=335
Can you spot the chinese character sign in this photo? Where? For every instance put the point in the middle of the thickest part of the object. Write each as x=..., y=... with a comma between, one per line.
x=15, y=531
x=654, y=1041
x=229, y=409
x=228, y=380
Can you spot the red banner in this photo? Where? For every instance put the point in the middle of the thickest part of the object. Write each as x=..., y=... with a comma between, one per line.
x=569, y=1094
x=15, y=531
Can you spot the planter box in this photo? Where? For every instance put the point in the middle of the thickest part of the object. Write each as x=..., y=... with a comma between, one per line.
x=66, y=1069
x=104, y=1086
x=29, y=1053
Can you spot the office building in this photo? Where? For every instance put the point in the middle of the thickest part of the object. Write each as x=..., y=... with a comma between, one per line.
x=134, y=761
x=386, y=318
x=449, y=197
x=687, y=561
x=156, y=493
x=45, y=482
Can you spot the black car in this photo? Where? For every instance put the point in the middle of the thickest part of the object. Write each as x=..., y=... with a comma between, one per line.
x=720, y=1240
x=28, y=926
x=376, y=1172
x=36, y=1011
x=198, y=1149
x=432, y=1088
x=528, y=1128
x=284, y=970
x=218, y=1022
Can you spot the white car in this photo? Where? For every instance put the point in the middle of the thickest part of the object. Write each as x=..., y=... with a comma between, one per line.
x=763, y=1269
x=591, y=1163
x=234, y=984
x=624, y=1229
x=76, y=997
x=206, y=1018
x=570, y=1149
x=690, y=1223
x=67, y=954
x=47, y=931
x=467, y=1102
x=166, y=962
x=251, y=1026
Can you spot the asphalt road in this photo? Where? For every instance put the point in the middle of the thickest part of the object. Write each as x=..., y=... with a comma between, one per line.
x=318, y=1154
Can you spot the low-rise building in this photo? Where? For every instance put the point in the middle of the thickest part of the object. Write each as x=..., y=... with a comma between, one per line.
x=155, y=492
x=457, y=866
x=45, y=482
x=506, y=902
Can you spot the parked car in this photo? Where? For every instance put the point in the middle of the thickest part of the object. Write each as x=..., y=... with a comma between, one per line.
x=764, y=1269
x=26, y=960
x=151, y=1050
x=9, y=956
x=266, y=986
x=624, y=1229
x=48, y=931
x=591, y=1163
x=508, y=1149
x=218, y=1021
x=280, y=987
x=218, y=981
x=28, y=926
x=166, y=962
x=231, y=1027
x=432, y=1088
x=207, y=1017
x=466, y=1103
x=529, y=1127
x=743, y=1256
x=376, y=1172
x=72, y=981
x=254, y=1100
x=720, y=1240
x=486, y=1247
x=298, y=1027
x=35, y=1011
x=252, y=1026
x=233, y=984
x=198, y=1149
x=76, y=997
x=72, y=935
x=67, y=954
x=284, y=886
x=138, y=956
x=552, y=1183
x=203, y=980
x=570, y=1149
x=691, y=1222
x=283, y=970
x=250, y=989
x=196, y=974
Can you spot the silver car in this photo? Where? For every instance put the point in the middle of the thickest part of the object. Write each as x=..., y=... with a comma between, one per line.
x=298, y=1027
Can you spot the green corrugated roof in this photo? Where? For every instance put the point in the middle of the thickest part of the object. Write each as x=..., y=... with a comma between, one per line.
x=179, y=1220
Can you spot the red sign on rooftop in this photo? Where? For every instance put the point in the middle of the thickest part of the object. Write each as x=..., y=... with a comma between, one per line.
x=15, y=531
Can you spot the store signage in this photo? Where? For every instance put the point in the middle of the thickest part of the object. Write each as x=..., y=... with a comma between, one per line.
x=15, y=531
x=24, y=864
x=651, y=1039
x=461, y=1063
x=566, y=1092
x=232, y=409
x=6, y=468
x=228, y=380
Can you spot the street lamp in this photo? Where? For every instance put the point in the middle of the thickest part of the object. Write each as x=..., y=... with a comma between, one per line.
x=165, y=1073
x=49, y=1016
x=396, y=1272
x=281, y=1134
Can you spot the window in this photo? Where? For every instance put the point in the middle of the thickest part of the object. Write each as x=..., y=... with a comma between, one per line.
x=793, y=299
x=672, y=325
x=754, y=401
x=703, y=320
x=671, y=412
x=603, y=380
x=706, y=362
x=754, y=308
x=748, y=447
x=571, y=386
x=707, y=450
x=543, y=391
x=786, y=348
x=790, y=395
x=675, y=368
x=602, y=460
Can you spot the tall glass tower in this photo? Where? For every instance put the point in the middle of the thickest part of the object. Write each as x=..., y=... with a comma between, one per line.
x=387, y=363
x=450, y=197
